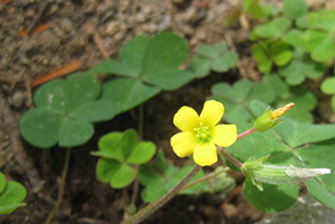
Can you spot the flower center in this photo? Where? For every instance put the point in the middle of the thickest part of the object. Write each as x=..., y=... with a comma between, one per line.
x=203, y=133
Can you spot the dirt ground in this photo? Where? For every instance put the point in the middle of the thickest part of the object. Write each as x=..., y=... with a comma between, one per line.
x=37, y=37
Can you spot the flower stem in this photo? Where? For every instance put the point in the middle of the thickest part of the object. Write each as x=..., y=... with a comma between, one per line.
x=247, y=132
x=154, y=206
x=234, y=161
x=61, y=186
x=206, y=177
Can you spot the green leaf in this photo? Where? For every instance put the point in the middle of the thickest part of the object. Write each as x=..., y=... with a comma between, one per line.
x=213, y=57
x=131, y=59
x=127, y=93
x=311, y=39
x=132, y=54
x=79, y=89
x=51, y=94
x=282, y=53
x=212, y=51
x=11, y=197
x=201, y=67
x=150, y=175
x=40, y=127
x=74, y=132
x=3, y=182
x=328, y=86
x=253, y=8
x=320, y=193
x=106, y=169
x=129, y=140
x=163, y=52
x=274, y=198
x=6, y=209
x=123, y=176
x=292, y=37
x=295, y=9
x=65, y=112
x=261, y=53
x=303, y=98
x=96, y=111
x=273, y=29
x=319, y=155
x=225, y=62
x=332, y=102
x=322, y=19
x=324, y=53
x=297, y=134
x=109, y=146
x=281, y=89
x=238, y=98
x=142, y=153
x=168, y=79
x=296, y=71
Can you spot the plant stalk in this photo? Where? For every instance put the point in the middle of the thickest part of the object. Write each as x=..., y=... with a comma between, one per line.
x=61, y=186
x=206, y=177
x=234, y=161
x=247, y=132
x=154, y=206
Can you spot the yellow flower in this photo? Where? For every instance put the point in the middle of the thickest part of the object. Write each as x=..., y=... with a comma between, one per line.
x=201, y=134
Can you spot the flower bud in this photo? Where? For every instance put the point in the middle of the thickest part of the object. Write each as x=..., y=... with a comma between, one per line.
x=262, y=173
x=269, y=119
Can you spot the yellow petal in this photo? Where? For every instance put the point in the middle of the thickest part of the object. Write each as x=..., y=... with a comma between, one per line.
x=186, y=119
x=225, y=134
x=212, y=113
x=183, y=143
x=205, y=155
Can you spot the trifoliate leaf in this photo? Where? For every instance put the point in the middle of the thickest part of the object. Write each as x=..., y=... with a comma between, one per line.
x=237, y=98
x=213, y=57
x=150, y=65
x=65, y=112
x=297, y=70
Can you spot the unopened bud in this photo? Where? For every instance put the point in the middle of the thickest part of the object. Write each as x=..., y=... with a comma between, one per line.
x=281, y=111
x=263, y=173
x=269, y=119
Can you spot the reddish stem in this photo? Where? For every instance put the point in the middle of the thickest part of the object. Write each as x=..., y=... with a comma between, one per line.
x=247, y=132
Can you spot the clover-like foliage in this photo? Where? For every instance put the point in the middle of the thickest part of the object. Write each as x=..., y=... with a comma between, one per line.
x=146, y=66
x=212, y=57
x=119, y=152
x=161, y=178
x=65, y=111
x=12, y=194
x=289, y=143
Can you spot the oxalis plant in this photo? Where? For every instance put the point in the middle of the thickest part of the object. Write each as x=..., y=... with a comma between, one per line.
x=274, y=160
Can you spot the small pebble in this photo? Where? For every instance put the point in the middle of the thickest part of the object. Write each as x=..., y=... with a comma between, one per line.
x=18, y=99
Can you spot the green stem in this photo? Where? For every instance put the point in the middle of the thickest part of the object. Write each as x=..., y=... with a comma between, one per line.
x=207, y=177
x=154, y=206
x=61, y=186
